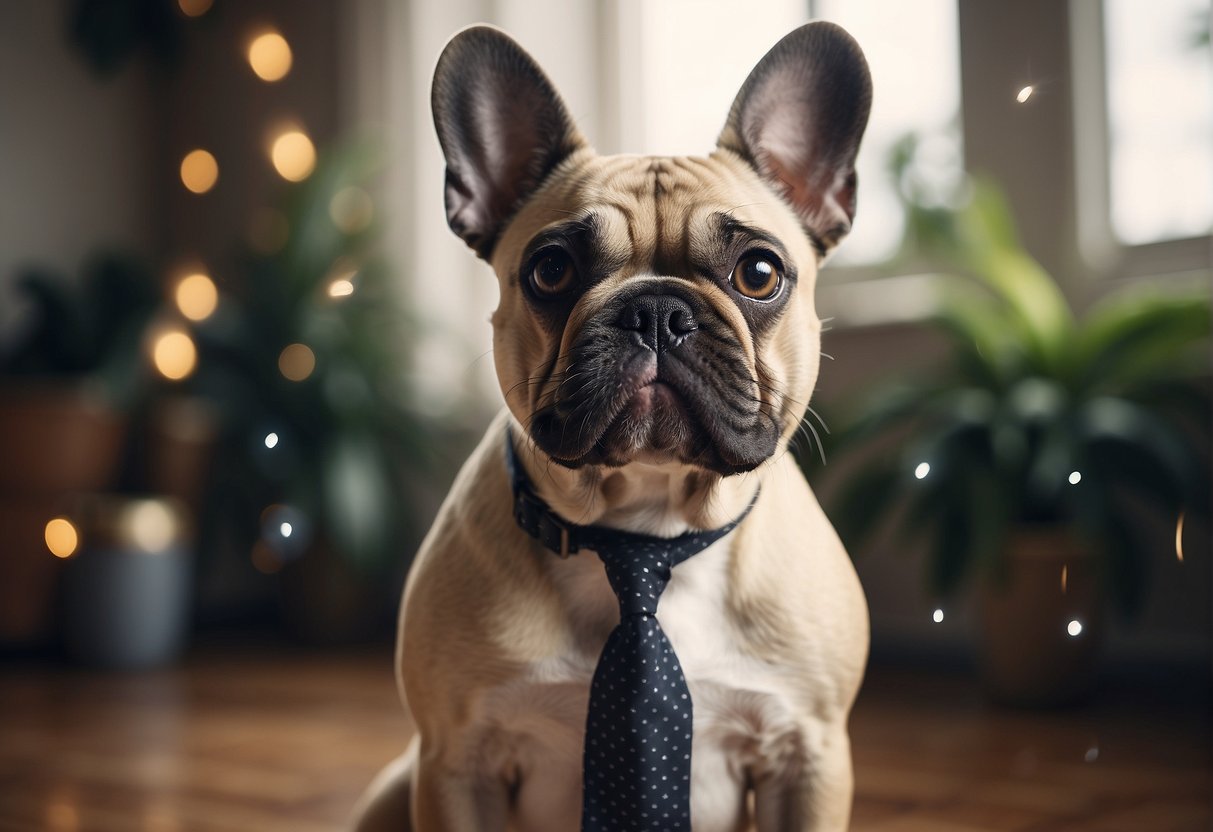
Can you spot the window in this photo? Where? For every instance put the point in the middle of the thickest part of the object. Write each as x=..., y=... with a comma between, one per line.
x=1159, y=84
x=913, y=52
x=697, y=53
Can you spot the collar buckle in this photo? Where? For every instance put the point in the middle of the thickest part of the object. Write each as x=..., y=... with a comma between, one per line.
x=535, y=518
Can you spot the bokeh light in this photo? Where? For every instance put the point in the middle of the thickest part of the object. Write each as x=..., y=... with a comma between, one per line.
x=197, y=296
x=152, y=526
x=271, y=440
x=1025, y=93
x=174, y=354
x=61, y=537
x=1075, y=477
x=199, y=171
x=922, y=470
x=351, y=210
x=937, y=616
x=341, y=280
x=195, y=8
x=296, y=362
x=270, y=56
x=1074, y=628
x=293, y=155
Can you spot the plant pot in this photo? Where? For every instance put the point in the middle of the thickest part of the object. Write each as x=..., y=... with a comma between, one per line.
x=126, y=592
x=55, y=440
x=1041, y=634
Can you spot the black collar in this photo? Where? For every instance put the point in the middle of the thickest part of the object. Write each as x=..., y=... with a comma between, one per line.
x=536, y=518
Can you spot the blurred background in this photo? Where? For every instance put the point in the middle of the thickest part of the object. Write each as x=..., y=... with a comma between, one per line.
x=242, y=357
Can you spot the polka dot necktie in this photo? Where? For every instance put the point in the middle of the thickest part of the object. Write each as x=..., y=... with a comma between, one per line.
x=637, y=761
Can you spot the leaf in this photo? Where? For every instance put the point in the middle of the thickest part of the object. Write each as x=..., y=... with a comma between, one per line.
x=1135, y=338
x=989, y=250
x=1130, y=446
x=863, y=502
x=356, y=506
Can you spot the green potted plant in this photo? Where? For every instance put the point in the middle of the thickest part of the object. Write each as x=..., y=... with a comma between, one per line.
x=307, y=362
x=1029, y=459
x=67, y=382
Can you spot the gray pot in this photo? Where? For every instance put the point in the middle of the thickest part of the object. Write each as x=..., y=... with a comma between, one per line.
x=126, y=591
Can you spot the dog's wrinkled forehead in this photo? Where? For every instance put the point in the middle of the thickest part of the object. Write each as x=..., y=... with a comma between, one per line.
x=629, y=217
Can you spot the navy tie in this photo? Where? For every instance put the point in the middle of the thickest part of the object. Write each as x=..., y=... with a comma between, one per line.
x=637, y=762
x=638, y=731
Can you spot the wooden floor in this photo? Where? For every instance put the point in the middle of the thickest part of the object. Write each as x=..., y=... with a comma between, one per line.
x=268, y=741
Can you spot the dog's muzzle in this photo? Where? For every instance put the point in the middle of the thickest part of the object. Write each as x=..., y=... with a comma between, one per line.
x=656, y=373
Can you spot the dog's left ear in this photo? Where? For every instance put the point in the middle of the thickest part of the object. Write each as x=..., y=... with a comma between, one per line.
x=502, y=128
x=798, y=120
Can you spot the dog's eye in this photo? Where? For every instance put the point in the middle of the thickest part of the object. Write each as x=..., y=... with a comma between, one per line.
x=553, y=273
x=758, y=277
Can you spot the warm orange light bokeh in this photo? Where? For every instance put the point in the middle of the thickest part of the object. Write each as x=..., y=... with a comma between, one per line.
x=296, y=362
x=199, y=171
x=174, y=354
x=61, y=537
x=197, y=297
x=293, y=155
x=270, y=56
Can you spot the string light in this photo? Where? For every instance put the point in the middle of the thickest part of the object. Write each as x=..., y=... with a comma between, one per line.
x=152, y=526
x=197, y=297
x=269, y=55
x=285, y=529
x=296, y=362
x=343, y=274
x=293, y=155
x=1075, y=477
x=937, y=616
x=61, y=537
x=174, y=354
x=1074, y=628
x=922, y=470
x=271, y=440
x=199, y=171
x=1179, y=538
x=1025, y=93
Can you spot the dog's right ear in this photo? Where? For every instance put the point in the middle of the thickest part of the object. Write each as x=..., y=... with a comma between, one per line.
x=502, y=128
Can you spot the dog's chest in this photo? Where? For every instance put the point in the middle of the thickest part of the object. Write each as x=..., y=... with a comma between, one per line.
x=742, y=709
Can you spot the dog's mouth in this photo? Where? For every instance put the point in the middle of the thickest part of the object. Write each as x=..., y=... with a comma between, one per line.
x=619, y=401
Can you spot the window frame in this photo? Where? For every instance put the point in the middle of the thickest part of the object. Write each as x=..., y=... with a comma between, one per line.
x=1110, y=259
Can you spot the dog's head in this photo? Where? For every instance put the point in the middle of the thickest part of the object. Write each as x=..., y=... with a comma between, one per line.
x=655, y=309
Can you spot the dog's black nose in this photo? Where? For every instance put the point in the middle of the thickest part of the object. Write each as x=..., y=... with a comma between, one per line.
x=663, y=321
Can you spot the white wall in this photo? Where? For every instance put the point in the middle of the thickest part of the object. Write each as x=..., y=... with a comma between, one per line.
x=73, y=149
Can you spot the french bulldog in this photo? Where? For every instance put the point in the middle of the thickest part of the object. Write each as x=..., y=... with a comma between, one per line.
x=657, y=344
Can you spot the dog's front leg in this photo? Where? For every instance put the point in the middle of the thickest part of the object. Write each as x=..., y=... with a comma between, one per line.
x=453, y=801
x=815, y=794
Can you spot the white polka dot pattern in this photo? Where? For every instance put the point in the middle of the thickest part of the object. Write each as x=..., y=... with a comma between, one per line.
x=638, y=731
x=637, y=763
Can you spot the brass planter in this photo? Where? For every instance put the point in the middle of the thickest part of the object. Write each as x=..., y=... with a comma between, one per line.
x=1042, y=621
x=56, y=440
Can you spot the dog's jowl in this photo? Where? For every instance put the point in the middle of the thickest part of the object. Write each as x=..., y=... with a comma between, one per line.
x=631, y=519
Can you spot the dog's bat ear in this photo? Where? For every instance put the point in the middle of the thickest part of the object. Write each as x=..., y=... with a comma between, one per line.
x=798, y=121
x=502, y=127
